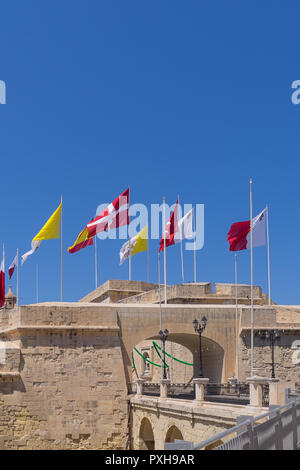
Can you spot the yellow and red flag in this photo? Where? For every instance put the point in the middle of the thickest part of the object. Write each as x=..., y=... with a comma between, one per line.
x=81, y=241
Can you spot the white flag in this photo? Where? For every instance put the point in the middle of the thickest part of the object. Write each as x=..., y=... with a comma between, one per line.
x=185, y=227
x=258, y=230
x=34, y=246
x=125, y=252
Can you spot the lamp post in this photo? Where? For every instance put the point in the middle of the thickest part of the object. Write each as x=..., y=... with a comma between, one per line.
x=272, y=335
x=163, y=336
x=199, y=328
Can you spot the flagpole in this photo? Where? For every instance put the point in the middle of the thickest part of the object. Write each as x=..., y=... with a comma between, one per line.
x=160, y=314
x=181, y=249
x=252, y=313
x=37, y=284
x=61, y=252
x=236, y=320
x=3, y=255
x=148, y=256
x=96, y=263
x=160, y=317
x=17, y=276
x=268, y=254
x=165, y=258
x=195, y=265
x=129, y=264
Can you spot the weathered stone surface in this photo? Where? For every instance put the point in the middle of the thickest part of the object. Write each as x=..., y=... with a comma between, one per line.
x=71, y=391
x=196, y=421
x=66, y=366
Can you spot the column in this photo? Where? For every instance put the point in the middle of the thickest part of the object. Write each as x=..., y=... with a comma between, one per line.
x=200, y=388
x=256, y=389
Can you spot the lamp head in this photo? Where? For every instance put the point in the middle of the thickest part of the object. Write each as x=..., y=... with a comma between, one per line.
x=195, y=324
x=204, y=322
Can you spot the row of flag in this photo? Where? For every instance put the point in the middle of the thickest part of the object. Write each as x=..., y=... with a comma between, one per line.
x=116, y=215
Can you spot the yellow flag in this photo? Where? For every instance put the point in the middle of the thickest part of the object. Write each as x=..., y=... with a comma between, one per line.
x=140, y=241
x=51, y=227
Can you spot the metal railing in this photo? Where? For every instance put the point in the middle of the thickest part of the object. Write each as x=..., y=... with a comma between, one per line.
x=265, y=395
x=278, y=429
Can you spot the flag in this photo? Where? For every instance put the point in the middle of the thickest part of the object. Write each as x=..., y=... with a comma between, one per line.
x=177, y=230
x=49, y=231
x=239, y=233
x=170, y=229
x=2, y=280
x=12, y=266
x=115, y=215
x=185, y=227
x=137, y=244
x=82, y=241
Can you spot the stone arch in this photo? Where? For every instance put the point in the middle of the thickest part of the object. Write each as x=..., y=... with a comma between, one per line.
x=212, y=357
x=173, y=433
x=178, y=319
x=146, y=435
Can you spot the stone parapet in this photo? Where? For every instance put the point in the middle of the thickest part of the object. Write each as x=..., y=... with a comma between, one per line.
x=243, y=290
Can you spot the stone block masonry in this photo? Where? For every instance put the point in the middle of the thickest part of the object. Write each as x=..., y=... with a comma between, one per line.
x=63, y=386
x=65, y=366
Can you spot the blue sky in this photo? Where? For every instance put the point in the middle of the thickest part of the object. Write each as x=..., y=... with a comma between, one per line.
x=165, y=97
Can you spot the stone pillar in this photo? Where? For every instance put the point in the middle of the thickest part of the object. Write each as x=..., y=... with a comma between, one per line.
x=139, y=386
x=164, y=383
x=276, y=392
x=256, y=389
x=200, y=388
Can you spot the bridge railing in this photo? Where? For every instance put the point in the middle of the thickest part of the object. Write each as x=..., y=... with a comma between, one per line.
x=238, y=394
x=278, y=429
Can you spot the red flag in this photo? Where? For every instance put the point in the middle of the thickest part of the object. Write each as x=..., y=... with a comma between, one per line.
x=239, y=233
x=2, y=280
x=237, y=236
x=115, y=215
x=170, y=230
x=12, y=266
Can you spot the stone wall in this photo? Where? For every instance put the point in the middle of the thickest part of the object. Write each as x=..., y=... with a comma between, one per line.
x=64, y=367
x=62, y=385
x=286, y=357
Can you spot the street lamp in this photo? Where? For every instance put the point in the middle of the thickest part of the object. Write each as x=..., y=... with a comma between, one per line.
x=199, y=328
x=163, y=336
x=272, y=335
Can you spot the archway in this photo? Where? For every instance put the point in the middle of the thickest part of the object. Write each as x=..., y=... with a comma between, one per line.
x=146, y=436
x=184, y=347
x=172, y=434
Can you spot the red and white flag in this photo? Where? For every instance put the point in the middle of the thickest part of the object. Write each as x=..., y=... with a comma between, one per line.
x=177, y=230
x=170, y=230
x=12, y=266
x=2, y=280
x=115, y=215
x=239, y=233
